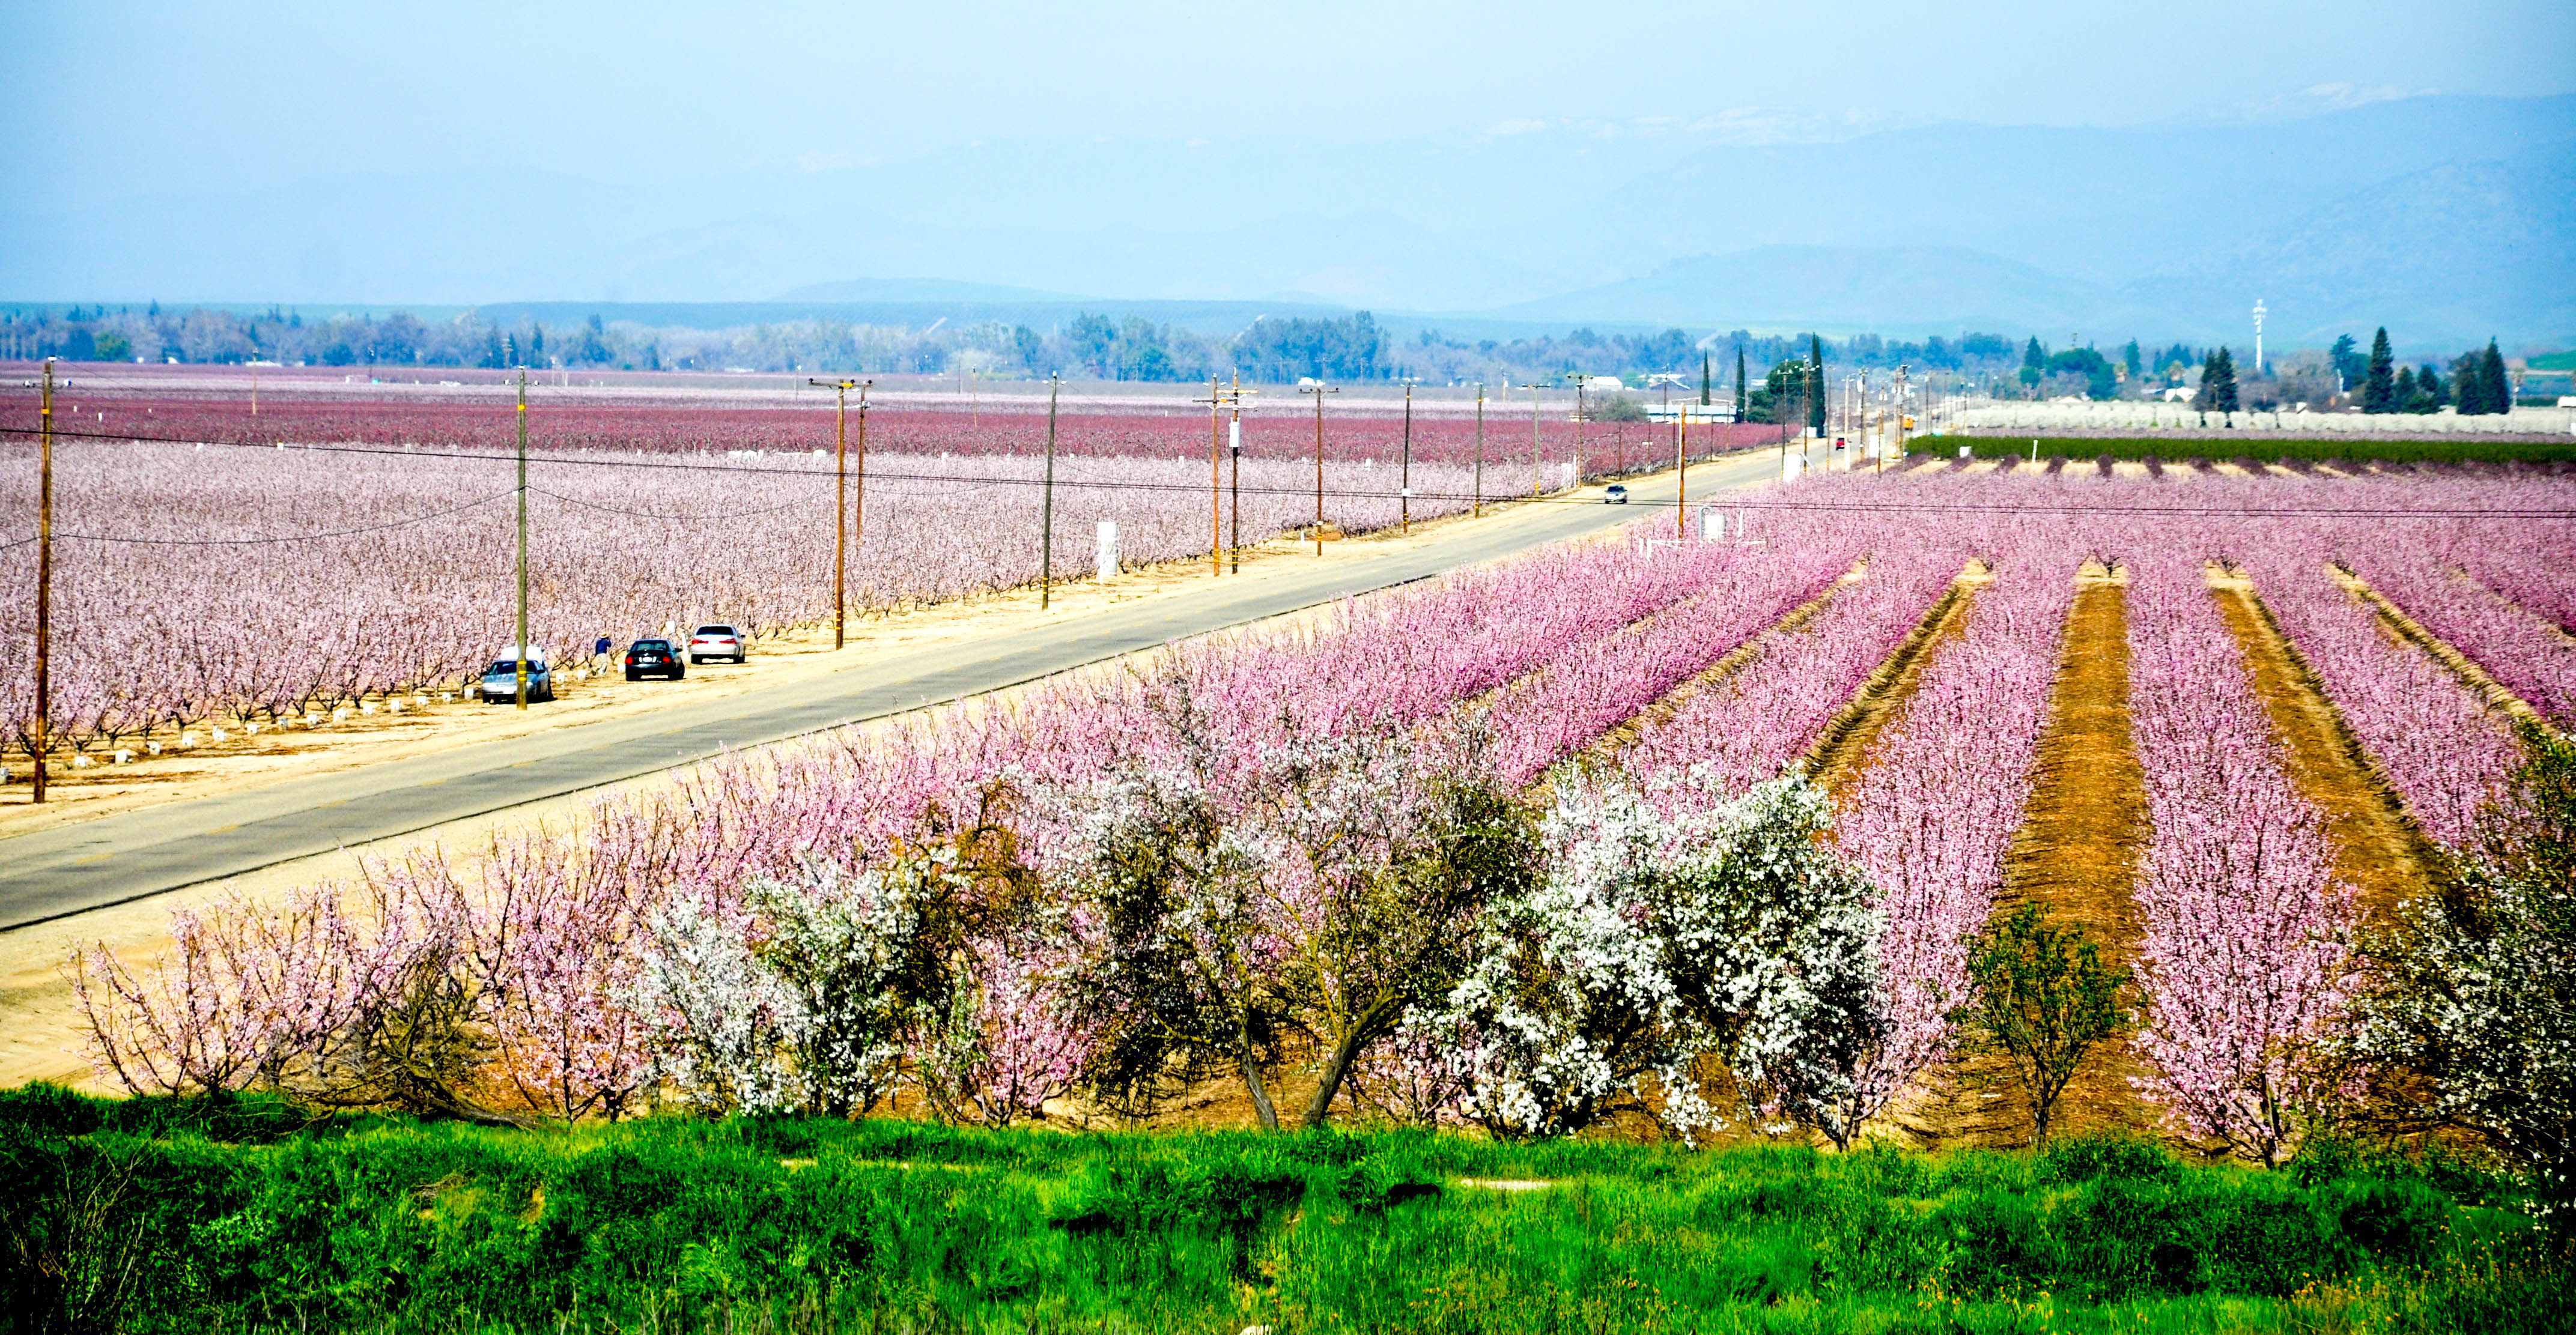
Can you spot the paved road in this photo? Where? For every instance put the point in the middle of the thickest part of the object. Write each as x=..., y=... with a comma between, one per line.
x=69, y=869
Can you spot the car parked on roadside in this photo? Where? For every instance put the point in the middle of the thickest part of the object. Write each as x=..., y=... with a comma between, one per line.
x=654, y=658
x=716, y=642
x=500, y=683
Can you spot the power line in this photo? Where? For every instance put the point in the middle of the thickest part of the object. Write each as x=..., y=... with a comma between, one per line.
x=652, y=514
x=952, y=479
x=979, y=482
x=250, y=542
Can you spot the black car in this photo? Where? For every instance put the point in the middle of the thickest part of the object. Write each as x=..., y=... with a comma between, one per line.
x=654, y=658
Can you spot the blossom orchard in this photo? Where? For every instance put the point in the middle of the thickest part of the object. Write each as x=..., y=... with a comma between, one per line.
x=200, y=617
x=985, y=903
x=2247, y=941
x=1938, y=797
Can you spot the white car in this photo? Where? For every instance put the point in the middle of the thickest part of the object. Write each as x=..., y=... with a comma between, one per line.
x=716, y=642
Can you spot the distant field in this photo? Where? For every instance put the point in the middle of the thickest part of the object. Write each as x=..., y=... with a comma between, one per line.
x=2266, y=448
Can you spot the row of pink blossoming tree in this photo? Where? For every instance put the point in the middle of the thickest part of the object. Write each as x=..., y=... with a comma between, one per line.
x=198, y=588
x=1401, y=857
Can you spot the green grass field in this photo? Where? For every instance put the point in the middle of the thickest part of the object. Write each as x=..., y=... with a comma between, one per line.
x=2262, y=447
x=193, y=1216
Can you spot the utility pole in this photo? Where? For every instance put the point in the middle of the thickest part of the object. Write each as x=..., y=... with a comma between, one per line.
x=1579, y=379
x=1900, y=419
x=1319, y=389
x=1234, y=448
x=522, y=650
x=1681, y=446
x=841, y=490
x=1404, y=477
x=1216, y=475
x=1535, y=466
x=859, y=482
x=1479, y=509
x=1860, y=416
x=1681, y=474
x=1046, y=508
x=44, y=574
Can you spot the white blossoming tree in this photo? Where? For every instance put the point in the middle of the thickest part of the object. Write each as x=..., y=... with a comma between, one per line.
x=1658, y=945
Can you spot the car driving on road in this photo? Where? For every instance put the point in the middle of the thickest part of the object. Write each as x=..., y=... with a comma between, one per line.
x=1617, y=495
x=654, y=658
x=715, y=642
x=501, y=681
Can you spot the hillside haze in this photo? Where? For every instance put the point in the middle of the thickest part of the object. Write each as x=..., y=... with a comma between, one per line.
x=2452, y=218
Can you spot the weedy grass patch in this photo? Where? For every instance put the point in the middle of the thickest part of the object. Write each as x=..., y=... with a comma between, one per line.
x=154, y=1215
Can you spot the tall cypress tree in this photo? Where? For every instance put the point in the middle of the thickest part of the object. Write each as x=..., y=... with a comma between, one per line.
x=1743, y=405
x=2492, y=385
x=1703, y=378
x=1816, y=383
x=2378, y=386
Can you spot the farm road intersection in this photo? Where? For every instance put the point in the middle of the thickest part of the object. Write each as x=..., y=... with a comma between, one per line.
x=53, y=873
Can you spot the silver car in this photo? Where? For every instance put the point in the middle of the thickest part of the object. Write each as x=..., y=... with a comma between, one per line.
x=500, y=682
x=716, y=642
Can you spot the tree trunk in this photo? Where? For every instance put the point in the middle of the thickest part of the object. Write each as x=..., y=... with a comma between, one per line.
x=1345, y=1053
x=1260, y=1096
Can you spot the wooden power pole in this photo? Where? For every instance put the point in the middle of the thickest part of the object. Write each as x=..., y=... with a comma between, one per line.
x=522, y=650
x=44, y=574
x=1535, y=468
x=1319, y=389
x=1046, y=506
x=841, y=491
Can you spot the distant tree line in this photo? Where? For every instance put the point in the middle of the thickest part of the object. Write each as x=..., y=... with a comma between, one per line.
x=2476, y=385
x=1804, y=368
x=1349, y=348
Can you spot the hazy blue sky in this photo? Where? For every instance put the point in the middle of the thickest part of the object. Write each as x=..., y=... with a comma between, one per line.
x=115, y=98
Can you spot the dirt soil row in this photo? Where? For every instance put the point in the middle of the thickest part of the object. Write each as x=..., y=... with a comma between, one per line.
x=2378, y=850
x=2407, y=630
x=2077, y=854
x=1625, y=734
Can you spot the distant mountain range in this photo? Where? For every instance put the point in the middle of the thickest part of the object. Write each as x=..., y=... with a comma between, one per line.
x=2449, y=219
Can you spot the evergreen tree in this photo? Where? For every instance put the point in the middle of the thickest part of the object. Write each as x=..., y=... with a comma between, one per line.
x=1703, y=378
x=2428, y=386
x=1816, y=383
x=2378, y=390
x=2034, y=366
x=2405, y=396
x=2464, y=383
x=2217, y=384
x=1743, y=405
x=2129, y=359
x=2348, y=364
x=2492, y=386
